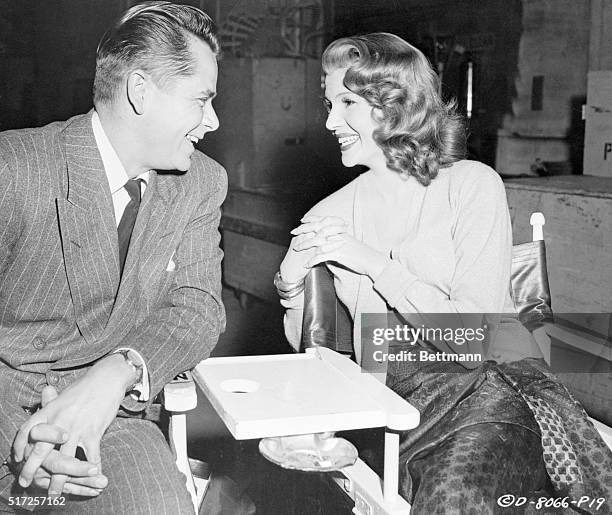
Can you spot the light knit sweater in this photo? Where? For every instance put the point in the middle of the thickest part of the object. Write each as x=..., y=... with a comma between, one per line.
x=450, y=248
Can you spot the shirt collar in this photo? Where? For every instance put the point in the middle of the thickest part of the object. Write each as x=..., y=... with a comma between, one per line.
x=115, y=172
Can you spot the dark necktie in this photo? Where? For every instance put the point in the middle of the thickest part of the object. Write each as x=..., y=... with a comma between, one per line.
x=126, y=225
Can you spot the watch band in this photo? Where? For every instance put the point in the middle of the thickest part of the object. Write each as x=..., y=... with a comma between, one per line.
x=137, y=367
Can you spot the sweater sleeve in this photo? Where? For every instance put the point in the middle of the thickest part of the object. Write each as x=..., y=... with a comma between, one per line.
x=482, y=240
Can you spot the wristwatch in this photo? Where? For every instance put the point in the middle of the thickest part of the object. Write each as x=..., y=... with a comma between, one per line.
x=132, y=359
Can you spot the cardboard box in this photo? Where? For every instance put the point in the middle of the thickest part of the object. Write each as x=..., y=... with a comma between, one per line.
x=598, y=128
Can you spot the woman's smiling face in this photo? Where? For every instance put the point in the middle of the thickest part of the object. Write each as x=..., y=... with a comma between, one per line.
x=350, y=119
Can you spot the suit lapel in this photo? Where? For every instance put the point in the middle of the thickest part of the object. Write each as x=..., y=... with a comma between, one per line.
x=88, y=230
x=154, y=238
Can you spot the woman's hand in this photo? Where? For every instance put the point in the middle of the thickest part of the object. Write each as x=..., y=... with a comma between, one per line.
x=310, y=239
x=322, y=239
x=352, y=254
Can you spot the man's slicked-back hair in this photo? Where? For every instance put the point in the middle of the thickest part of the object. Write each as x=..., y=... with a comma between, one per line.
x=417, y=131
x=154, y=37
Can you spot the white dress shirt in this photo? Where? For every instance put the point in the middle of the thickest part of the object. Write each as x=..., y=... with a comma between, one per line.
x=117, y=177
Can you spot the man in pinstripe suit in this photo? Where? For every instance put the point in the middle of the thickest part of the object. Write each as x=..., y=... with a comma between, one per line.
x=83, y=337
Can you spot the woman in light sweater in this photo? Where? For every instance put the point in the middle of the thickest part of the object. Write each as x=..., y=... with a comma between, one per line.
x=425, y=232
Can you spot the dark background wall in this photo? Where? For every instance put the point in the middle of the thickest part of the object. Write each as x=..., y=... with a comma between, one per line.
x=488, y=32
x=47, y=57
x=529, y=56
x=47, y=50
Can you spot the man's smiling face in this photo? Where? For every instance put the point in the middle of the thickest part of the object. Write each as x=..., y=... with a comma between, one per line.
x=180, y=114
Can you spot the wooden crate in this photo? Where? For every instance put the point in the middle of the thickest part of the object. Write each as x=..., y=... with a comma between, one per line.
x=598, y=128
x=262, y=111
x=578, y=234
x=517, y=153
x=251, y=263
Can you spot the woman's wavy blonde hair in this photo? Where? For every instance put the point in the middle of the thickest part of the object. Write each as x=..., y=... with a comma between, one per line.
x=418, y=132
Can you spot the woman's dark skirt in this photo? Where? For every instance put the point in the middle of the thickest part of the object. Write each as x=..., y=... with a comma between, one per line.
x=478, y=441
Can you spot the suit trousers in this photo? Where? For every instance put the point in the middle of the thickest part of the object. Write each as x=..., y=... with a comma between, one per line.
x=142, y=476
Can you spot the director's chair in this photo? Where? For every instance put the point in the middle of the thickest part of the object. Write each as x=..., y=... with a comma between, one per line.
x=370, y=494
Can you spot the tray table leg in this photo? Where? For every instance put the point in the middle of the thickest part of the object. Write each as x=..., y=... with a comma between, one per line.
x=390, y=480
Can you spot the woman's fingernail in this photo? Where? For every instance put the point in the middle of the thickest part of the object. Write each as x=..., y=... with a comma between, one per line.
x=92, y=471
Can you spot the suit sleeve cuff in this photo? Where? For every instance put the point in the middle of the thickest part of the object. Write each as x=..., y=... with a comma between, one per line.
x=142, y=390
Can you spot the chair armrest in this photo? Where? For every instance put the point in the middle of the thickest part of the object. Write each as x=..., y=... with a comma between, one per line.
x=542, y=339
x=581, y=340
x=180, y=394
x=325, y=322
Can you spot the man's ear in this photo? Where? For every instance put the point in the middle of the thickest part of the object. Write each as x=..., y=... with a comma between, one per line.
x=137, y=85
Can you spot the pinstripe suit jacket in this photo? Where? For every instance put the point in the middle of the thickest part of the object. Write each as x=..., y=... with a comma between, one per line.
x=62, y=305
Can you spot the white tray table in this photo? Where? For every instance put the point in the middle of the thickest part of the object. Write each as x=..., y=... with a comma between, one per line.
x=319, y=391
